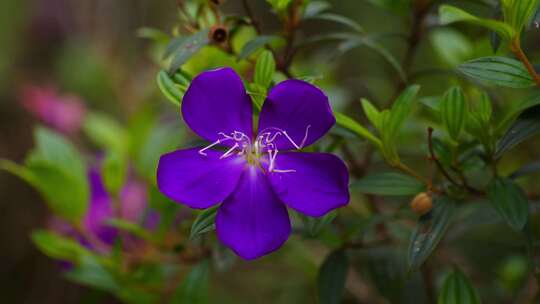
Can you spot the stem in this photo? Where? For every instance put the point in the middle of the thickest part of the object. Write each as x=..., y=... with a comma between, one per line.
x=436, y=160
x=515, y=46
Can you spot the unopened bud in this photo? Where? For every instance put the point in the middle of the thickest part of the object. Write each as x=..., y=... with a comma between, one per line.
x=422, y=203
x=218, y=34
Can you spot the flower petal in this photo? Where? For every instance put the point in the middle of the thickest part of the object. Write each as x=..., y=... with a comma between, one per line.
x=216, y=101
x=319, y=183
x=252, y=221
x=99, y=210
x=298, y=108
x=198, y=181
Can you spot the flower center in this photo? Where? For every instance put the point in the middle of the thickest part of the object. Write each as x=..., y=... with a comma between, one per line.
x=252, y=151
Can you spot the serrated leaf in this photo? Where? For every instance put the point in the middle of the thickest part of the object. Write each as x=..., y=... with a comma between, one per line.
x=499, y=71
x=457, y=289
x=187, y=48
x=350, y=124
x=429, y=231
x=332, y=277
x=453, y=110
x=265, y=68
x=388, y=183
x=526, y=125
x=450, y=14
x=204, y=222
x=255, y=44
x=510, y=202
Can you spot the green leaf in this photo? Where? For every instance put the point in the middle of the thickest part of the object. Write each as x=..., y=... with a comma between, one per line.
x=153, y=34
x=388, y=183
x=526, y=125
x=453, y=111
x=510, y=202
x=265, y=69
x=400, y=110
x=429, y=231
x=105, y=132
x=450, y=14
x=253, y=45
x=194, y=288
x=314, y=8
x=169, y=88
x=189, y=47
x=499, y=71
x=457, y=289
x=114, y=171
x=58, y=247
x=258, y=95
x=451, y=46
x=314, y=225
x=332, y=277
x=130, y=227
x=517, y=13
x=350, y=124
x=91, y=273
x=514, y=113
x=173, y=45
x=372, y=113
x=204, y=222
x=340, y=20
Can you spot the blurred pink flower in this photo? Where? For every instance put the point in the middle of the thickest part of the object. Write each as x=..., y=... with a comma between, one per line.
x=64, y=113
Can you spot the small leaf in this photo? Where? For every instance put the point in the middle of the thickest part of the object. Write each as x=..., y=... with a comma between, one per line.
x=204, y=222
x=526, y=125
x=350, y=124
x=499, y=71
x=130, y=227
x=389, y=183
x=450, y=14
x=453, y=110
x=153, y=34
x=169, y=88
x=400, y=110
x=332, y=277
x=173, y=45
x=114, y=171
x=253, y=45
x=457, y=289
x=429, y=231
x=373, y=115
x=194, y=288
x=58, y=247
x=258, y=95
x=315, y=7
x=265, y=69
x=187, y=48
x=510, y=202
x=105, y=132
x=314, y=225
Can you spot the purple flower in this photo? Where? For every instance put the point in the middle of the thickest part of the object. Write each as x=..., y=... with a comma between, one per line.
x=63, y=113
x=257, y=174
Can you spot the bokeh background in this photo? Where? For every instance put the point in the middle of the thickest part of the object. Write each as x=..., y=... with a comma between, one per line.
x=91, y=49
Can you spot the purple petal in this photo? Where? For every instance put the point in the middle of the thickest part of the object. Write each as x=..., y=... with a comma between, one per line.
x=298, y=108
x=198, y=181
x=216, y=101
x=318, y=184
x=252, y=221
x=100, y=209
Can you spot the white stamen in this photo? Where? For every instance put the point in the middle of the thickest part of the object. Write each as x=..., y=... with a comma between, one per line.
x=229, y=152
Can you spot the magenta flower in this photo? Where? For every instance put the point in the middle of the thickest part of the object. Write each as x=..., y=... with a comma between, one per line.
x=256, y=175
x=64, y=113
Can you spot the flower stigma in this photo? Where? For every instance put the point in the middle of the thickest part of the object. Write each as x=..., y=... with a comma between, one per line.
x=264, y=143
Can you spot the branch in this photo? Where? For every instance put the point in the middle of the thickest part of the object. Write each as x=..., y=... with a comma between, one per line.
x=515, y=46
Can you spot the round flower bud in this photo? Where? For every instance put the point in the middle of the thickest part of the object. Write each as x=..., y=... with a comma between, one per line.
x=218, y=34
x=422, y=203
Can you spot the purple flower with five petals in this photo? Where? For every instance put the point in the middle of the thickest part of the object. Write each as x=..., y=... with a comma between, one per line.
x=255, y=175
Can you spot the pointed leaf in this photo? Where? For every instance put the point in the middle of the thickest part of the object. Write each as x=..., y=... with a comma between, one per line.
x=457, y=289
x=450, y=14
x=510, y=202
x=204, y=222
x=499, y=71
